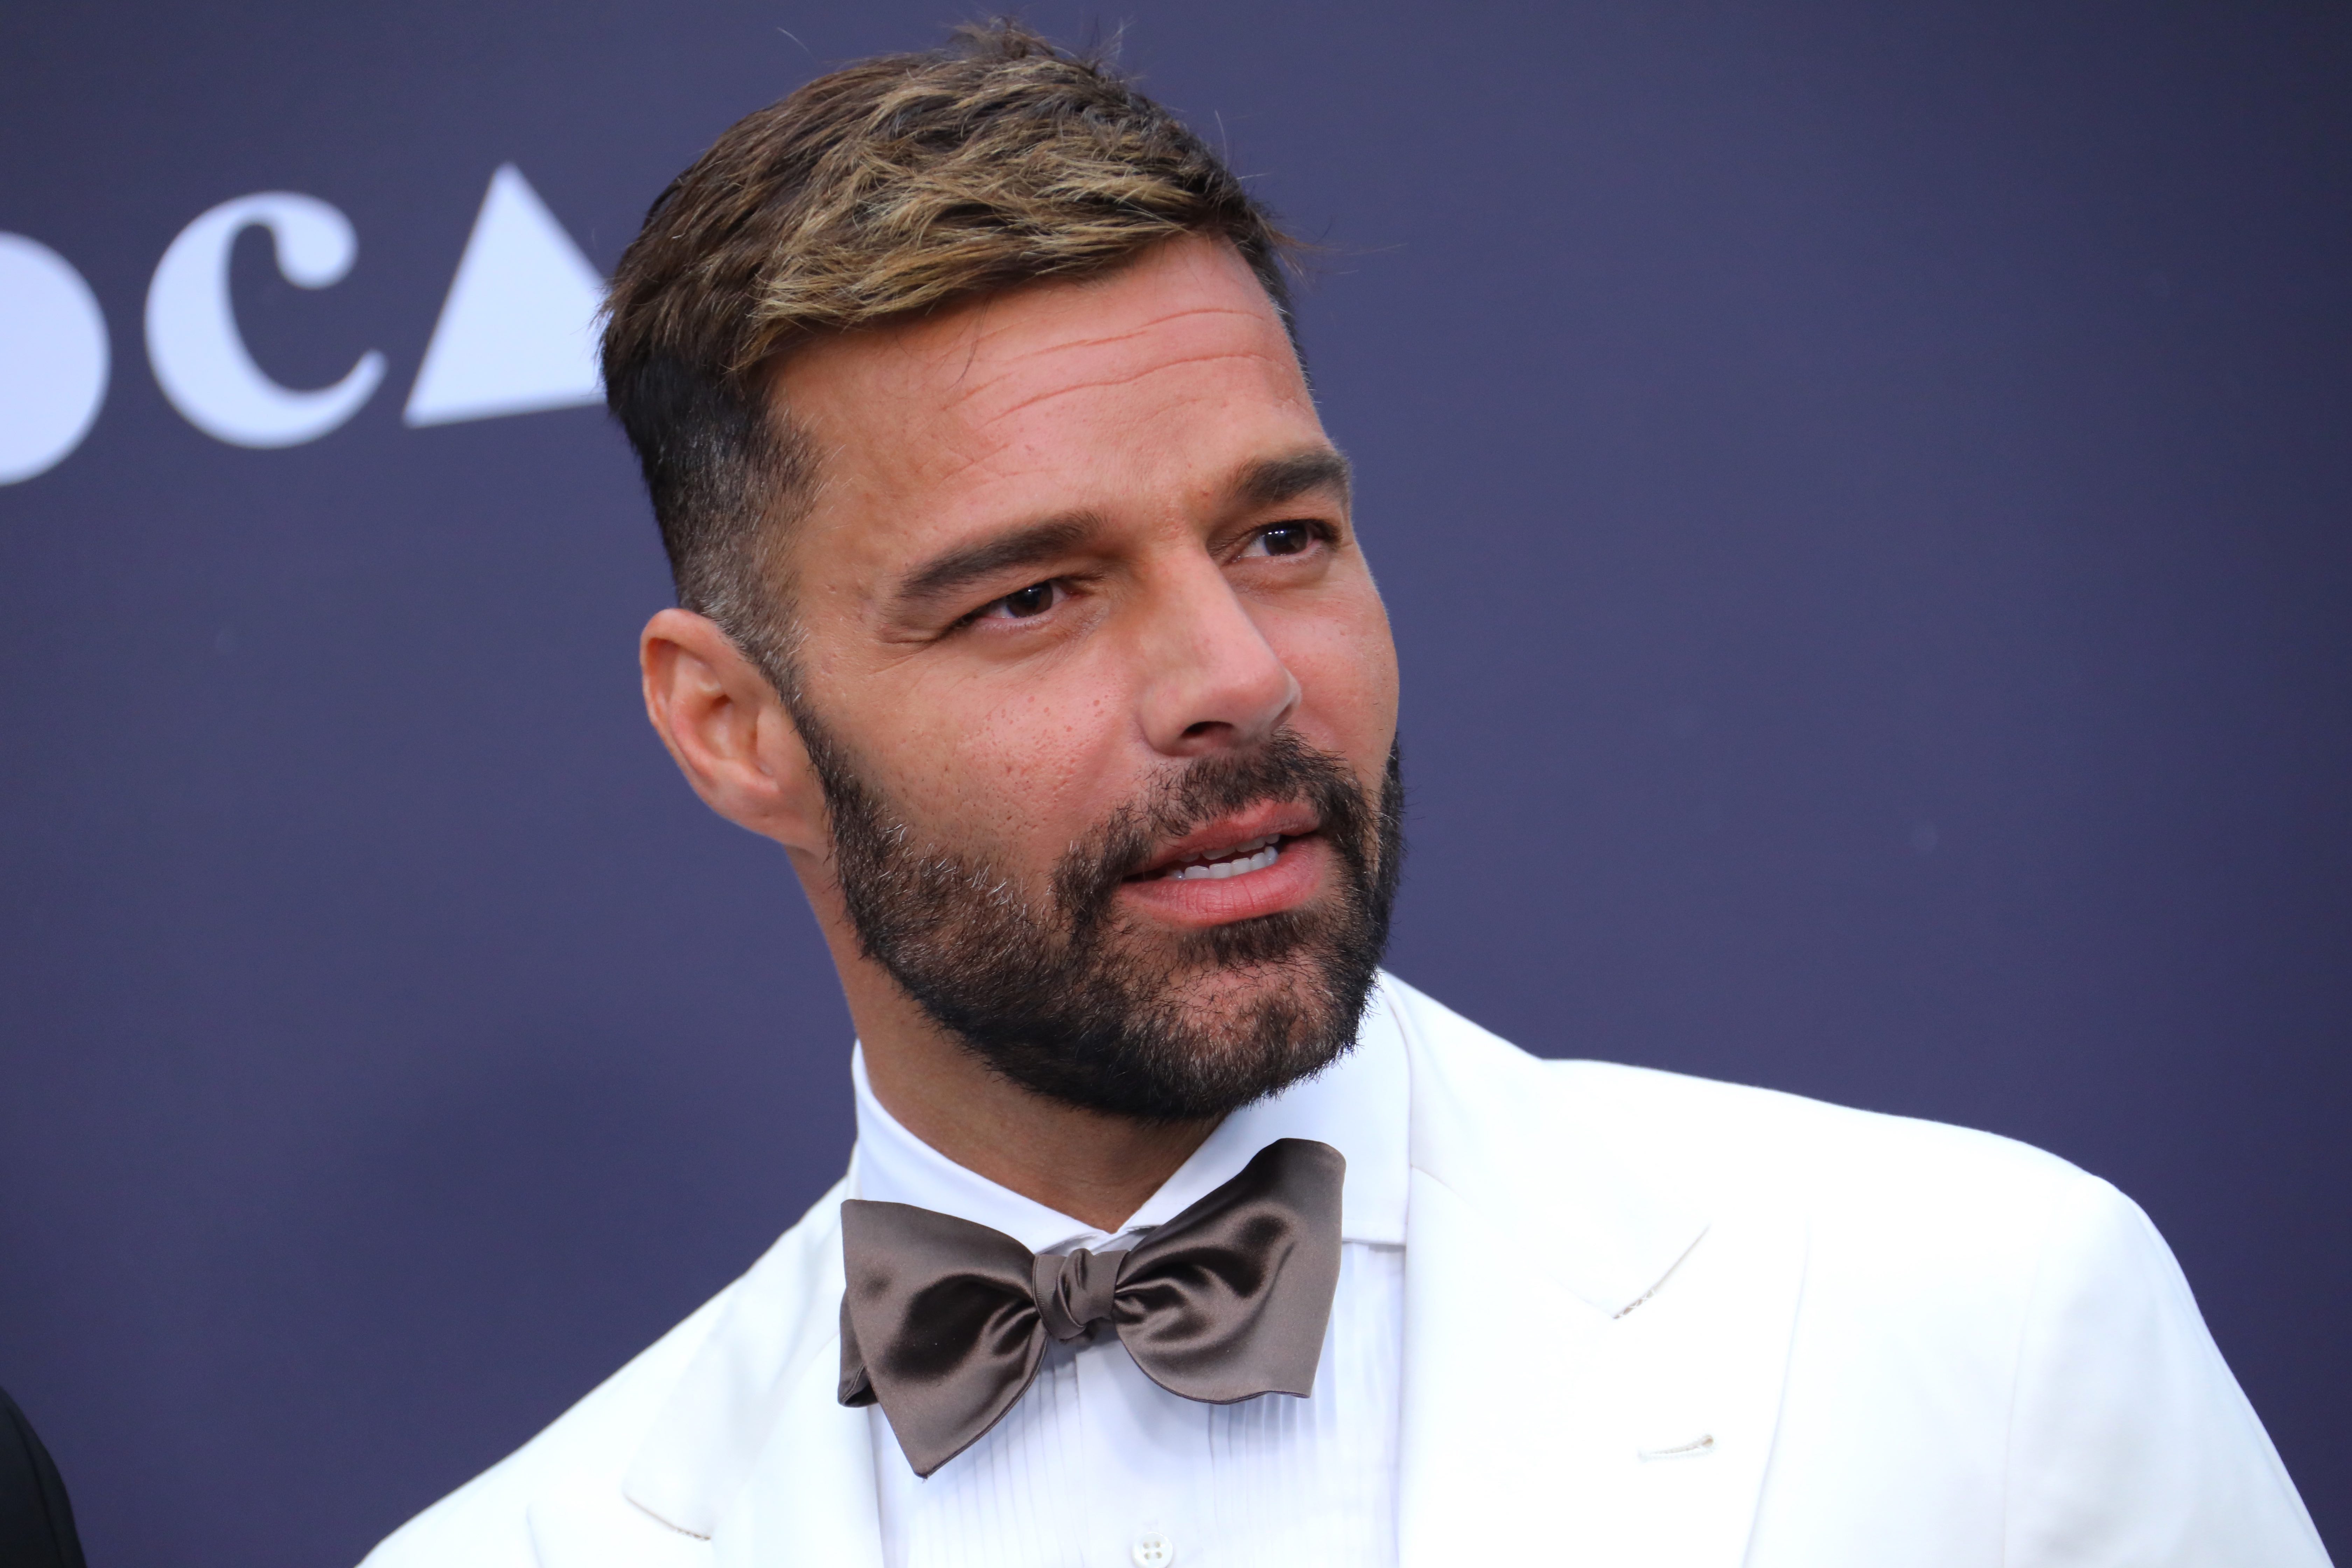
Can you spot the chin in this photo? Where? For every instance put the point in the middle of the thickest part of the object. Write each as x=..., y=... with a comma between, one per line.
x=1231, y=1001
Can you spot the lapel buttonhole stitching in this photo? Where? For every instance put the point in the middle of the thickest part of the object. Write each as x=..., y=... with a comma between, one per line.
x=1702, y=1443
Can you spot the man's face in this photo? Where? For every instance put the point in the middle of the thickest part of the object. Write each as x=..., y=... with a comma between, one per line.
x=1099, y=684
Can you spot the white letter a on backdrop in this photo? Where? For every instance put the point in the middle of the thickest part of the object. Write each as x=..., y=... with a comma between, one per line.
x=517, y=333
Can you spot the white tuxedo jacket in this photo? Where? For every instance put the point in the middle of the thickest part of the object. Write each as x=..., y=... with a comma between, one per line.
x=1650, y=1321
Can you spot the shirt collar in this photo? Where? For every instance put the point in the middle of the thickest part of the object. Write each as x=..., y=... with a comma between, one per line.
x=1357, y=1105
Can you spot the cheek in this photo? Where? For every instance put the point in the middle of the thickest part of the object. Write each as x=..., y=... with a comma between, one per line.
x=1345, y=662
x=1025, y=774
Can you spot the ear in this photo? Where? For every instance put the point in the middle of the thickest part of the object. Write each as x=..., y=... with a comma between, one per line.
x=729, y=731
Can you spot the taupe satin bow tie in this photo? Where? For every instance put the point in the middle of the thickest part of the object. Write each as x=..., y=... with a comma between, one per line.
x=945, y=1321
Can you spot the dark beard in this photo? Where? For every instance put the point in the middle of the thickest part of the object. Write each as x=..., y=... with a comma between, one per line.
x=1069, y=1001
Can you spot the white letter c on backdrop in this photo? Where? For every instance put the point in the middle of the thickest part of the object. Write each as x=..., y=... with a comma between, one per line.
x=200, y=357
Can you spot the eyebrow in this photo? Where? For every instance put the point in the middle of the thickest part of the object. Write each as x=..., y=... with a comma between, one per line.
x=1267, y=481
x=954, y=570
x=1270, y=481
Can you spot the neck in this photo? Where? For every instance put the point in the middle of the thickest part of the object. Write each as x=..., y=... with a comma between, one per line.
x=1093, y=1166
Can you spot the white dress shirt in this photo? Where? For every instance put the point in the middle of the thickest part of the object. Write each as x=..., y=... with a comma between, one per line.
x=1099, y=1467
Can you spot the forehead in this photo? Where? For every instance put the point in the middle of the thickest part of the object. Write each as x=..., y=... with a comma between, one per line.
x=1131, y=388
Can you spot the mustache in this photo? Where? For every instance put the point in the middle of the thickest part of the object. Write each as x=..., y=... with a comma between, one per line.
x=1283, y=769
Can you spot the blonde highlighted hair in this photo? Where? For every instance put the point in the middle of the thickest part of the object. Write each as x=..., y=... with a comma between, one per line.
x=891, y=187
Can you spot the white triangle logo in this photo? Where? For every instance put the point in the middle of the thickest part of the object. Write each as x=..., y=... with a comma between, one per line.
x=517, y=333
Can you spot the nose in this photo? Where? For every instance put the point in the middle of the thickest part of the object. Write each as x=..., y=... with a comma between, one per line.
x=1212, y=681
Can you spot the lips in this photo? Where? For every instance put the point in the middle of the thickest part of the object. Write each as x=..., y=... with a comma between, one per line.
x=1231, y=846
x=1255, y=856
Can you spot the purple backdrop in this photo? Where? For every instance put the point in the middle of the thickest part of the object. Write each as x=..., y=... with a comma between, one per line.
x=1864, y=493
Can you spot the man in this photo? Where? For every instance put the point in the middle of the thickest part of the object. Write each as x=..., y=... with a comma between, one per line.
x=1020, y=602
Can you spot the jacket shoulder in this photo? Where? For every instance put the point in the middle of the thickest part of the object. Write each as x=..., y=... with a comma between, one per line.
x=1833, y=1154
x=588, y=1450
x=483, y=1524
x=1833, y=1163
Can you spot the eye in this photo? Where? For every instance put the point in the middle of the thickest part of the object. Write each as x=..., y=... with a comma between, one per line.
x=1283, y=539
x=1023, y=604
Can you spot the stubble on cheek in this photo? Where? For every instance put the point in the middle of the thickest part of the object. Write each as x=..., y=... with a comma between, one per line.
x=1063, y=991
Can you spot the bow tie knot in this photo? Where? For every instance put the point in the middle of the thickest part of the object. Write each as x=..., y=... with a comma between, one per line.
x=944, y=1322
x=1075, y=1293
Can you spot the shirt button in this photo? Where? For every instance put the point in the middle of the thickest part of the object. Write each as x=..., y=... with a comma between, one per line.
x=1152, y=1550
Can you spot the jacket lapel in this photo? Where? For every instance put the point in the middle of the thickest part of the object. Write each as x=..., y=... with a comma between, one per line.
x=1595, y=1344
x=592, y=1526
x=809, y=1498
x=752, y=1458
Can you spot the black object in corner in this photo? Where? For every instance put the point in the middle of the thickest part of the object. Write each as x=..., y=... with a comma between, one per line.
x=36, y=1528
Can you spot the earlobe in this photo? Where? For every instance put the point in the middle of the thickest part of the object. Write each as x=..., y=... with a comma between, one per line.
x=725, y=729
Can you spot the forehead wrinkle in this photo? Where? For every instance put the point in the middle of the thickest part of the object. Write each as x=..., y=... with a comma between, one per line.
x=1014, y=363
x=983, y=333
x=989, y=462
x=1126, y=379
x=994, y=458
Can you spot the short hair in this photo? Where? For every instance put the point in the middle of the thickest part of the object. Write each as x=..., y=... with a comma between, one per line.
x=892, y=187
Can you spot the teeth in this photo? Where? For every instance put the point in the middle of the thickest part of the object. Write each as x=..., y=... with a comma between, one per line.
x=1243, y=858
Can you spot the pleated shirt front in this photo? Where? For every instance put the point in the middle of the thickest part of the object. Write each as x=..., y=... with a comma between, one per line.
x=1099, y=1467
